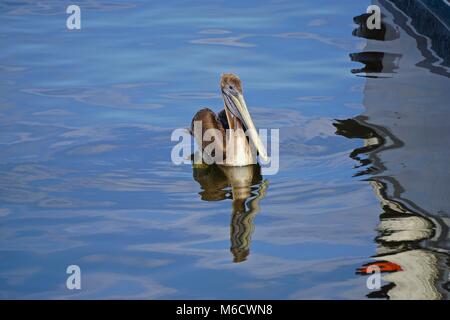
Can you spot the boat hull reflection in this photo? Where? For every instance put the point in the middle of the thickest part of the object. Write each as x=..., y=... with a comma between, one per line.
x=406, y=146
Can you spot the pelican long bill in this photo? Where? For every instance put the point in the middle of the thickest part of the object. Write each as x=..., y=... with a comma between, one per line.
x=238, y=104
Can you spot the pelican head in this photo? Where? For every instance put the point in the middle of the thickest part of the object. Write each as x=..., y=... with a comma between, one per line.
x=236, y=110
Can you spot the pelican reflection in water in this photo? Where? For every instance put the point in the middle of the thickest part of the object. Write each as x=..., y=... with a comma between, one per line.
x=245, y=187
x=237, y=175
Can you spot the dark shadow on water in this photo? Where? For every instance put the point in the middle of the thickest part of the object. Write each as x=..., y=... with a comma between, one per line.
x=375, y=63
x=386, y=33
x=351, y=128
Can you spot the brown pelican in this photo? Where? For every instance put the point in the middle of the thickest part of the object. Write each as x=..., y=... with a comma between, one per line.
x=234, y=145
x=237, y=167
